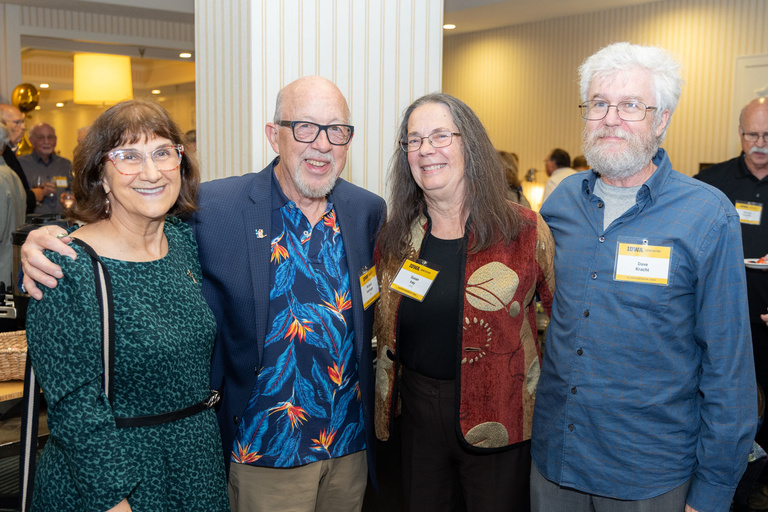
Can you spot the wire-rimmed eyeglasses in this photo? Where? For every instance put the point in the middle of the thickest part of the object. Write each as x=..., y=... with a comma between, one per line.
x=596, y=110
x=304, y=131
x=436, y=140
x=131, y=161
x=754, y=136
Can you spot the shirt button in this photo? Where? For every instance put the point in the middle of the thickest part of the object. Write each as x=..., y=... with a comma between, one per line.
x=586, y=313
x=594, y=275
x=579, y=352
x=600, y=205
x=573, y=390
x=571, y=427
x=236, y=419
x=602, y=239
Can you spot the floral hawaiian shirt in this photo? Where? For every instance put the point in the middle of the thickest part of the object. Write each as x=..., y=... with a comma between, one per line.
x=306, y=405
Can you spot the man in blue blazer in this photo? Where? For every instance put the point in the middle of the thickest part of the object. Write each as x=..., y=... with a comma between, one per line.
x=282, y=251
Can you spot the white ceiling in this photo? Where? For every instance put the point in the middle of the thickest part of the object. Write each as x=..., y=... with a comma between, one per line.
x=467, y=15
x=473, y=15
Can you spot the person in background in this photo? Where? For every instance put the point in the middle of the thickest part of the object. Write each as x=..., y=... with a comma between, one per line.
x=13, y=206
x=558, y=167
x=48, y=173
x=460, y=361
x=14, y=119
x=744, y=180
x=282, y=253
x=156, y=446
x=81, y=133
x=510, y=162
x=647, y=395
x=580, y=163
x=191, y=137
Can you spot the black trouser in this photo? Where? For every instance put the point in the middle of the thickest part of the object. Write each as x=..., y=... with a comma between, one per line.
x=437, y=470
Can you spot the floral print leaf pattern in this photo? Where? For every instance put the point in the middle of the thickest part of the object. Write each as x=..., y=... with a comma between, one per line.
x=306, y=403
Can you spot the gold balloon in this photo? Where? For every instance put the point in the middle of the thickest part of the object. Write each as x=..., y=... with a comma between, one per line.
x=25, y=97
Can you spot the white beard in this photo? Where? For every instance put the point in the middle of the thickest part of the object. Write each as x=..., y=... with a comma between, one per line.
x=317, y=191
x=619, y=165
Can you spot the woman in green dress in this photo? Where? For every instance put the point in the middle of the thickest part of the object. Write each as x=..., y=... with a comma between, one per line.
x=132, y=178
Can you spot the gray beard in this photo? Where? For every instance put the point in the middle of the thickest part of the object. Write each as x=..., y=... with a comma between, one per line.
x=313, y=192
x=620, y=165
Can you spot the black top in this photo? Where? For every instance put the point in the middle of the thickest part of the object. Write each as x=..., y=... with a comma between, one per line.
x=10, y=159
x=429, y=330
x=735, y=181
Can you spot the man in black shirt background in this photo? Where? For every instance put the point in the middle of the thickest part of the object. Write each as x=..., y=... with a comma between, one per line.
x=744, y=180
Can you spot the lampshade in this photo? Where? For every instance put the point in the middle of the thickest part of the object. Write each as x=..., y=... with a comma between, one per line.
x=102, y=79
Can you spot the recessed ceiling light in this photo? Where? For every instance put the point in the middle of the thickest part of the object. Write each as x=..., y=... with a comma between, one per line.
x=185, y=55
x=156, y=91
x=44, y=86
x=59, y=104
x=449, y=26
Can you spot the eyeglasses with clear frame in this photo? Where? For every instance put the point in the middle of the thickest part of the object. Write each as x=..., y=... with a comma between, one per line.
x=754, y=136
x=130, y=162
x=307, y=132
x=436, y=140
x=631, y=111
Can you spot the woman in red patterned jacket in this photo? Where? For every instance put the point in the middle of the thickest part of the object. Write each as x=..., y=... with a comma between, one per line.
x=458, y=356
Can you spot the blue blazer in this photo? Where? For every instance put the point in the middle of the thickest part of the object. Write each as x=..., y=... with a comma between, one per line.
x=233, y=232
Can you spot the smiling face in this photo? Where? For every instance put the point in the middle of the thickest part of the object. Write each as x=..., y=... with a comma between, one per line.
x=42, y=138
x=619, y=149
x=144, y=197
x=439, y=172
x=309, y=170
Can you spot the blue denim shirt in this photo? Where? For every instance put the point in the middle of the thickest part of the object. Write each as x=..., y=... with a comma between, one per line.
x=646, y=386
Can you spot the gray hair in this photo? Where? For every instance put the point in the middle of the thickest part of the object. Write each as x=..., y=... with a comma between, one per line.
x=5, y=133
x=623, y=57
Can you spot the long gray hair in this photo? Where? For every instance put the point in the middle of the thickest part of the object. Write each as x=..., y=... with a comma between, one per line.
x=491, y=217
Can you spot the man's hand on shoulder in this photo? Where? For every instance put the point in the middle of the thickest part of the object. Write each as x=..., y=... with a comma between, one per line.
x=36, y=267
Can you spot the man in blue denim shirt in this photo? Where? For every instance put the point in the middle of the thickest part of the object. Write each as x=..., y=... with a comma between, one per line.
x=647, y=394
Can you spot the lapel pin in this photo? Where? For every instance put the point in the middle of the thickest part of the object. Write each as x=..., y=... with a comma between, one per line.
x=260, y=233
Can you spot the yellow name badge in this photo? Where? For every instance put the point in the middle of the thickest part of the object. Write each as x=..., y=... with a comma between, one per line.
x=641, y=263
x=749, y=213
x=60, y=181
x=414, y=279
x=369, y=286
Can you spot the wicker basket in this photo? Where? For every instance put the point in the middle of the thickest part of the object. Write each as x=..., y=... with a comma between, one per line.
x=13, y=355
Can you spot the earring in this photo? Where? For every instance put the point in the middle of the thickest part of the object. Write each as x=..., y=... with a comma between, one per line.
x=107, y=205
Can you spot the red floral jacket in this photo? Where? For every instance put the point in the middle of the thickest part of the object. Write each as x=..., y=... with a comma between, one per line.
x=501, y=356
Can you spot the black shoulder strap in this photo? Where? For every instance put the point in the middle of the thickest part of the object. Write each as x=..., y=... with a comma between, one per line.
x=31, y=402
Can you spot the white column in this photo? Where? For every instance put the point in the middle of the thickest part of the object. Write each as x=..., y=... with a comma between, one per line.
x=10, y=50
x=381, y=53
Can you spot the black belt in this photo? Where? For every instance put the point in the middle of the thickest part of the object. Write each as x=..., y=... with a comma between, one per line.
x=167, y=417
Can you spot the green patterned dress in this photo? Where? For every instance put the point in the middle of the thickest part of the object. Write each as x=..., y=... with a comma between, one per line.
x=164, y=334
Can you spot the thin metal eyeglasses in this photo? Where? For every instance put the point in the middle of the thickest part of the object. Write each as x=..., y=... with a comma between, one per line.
x=754, y=136
x=306, y=132
x=130, y=162
x=436, y=140
x=596, y=110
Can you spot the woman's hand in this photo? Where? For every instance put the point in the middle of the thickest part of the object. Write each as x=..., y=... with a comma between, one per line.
x=37, y=268
x=123, y=506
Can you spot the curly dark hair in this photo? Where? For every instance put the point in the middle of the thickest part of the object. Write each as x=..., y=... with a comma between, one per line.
x=126, y=123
